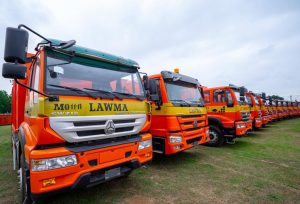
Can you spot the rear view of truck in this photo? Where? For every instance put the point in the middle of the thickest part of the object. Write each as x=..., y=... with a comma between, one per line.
x=75, y=124
x=179, y=119
x=228, y=113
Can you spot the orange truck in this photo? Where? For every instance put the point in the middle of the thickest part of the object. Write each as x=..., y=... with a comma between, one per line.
x=264, y=108
x=272, y=110
x=74, y=124
x=280, y=110
x=228, y=113
x=179, y=118
x=255, y=110
x=283, y=105
x=296, y=108
x=291, y=108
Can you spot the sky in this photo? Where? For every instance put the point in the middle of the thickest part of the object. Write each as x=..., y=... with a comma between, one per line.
x=251, y=43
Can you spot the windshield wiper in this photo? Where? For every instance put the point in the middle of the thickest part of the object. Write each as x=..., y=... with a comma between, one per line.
x=128, y=94
x=107, y=93
x=74, y=89
x=180, y=100
x=200, y=103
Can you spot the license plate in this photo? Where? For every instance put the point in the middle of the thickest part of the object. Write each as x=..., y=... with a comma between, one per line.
x=112, y=173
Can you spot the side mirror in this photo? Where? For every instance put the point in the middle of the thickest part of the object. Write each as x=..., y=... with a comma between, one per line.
x=16, y=43
x=242, y=91
x=146, y=82
x=152, y=86
x=154, y=93
x=229, y=103
x=154, y=97
x=13, y=71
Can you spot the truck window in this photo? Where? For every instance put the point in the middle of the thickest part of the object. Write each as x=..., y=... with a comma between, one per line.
x=188, y=93
x=229, y=97
x=207, y=97
x=35, y=80
x=127, y=84
x=219, y=96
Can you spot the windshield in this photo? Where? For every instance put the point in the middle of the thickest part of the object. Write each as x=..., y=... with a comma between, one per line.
x=184, y=94
x=249, y=100
x=237, y=95
x=256, y=101
x=81, y=76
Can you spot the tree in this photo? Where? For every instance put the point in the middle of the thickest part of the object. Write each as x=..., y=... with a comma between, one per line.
x=5, y=102
x=277, y=97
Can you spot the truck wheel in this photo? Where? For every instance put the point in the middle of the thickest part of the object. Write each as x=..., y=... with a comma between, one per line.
x=25, y=197
x=216, y=137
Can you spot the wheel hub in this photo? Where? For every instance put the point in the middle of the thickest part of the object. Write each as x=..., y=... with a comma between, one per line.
x=213, y=135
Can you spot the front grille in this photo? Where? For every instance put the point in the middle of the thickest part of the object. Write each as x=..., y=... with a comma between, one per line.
x=99, y=132
x=85, y=128
x=191, y=122
x=245, y=116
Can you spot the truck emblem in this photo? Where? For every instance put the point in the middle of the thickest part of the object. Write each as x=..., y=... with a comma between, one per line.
x=195, y=123
x=109, y=127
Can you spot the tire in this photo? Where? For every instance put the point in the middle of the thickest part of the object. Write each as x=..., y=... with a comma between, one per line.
x=216, y=137
x=25, y=197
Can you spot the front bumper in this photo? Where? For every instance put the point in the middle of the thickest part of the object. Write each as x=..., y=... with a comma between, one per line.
x=189, y=140
x=265, y=120
x=242, y=130
x=258, y=122
x=89, y=179
x=90, y=168
x=249, y=125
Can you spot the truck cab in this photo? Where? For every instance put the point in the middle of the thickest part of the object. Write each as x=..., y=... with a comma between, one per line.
x=179, y=118
x=228, y=113
x=274, y=108
x=75, y=124
x=255, y=110
x=285, y=111
x=295, y=107
x=280, y=111
x=261, y=98
x=271, y=108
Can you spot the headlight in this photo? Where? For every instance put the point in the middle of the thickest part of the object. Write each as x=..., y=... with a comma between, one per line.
x=207, y=132
x=175, y=139
x=53, y=163
x=145, y=144
x=241, y=126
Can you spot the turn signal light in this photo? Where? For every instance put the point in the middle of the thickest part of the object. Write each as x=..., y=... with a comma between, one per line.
x=49, y=182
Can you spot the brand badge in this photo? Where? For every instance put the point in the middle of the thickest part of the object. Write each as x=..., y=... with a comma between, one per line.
x=109, y=127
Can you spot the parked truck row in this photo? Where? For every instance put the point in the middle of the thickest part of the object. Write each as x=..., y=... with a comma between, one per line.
x=81, y=117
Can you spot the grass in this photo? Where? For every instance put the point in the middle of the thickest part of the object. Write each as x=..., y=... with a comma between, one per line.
x=262, y=167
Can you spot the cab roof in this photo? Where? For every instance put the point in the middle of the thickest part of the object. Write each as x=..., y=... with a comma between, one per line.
x=99, y=55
